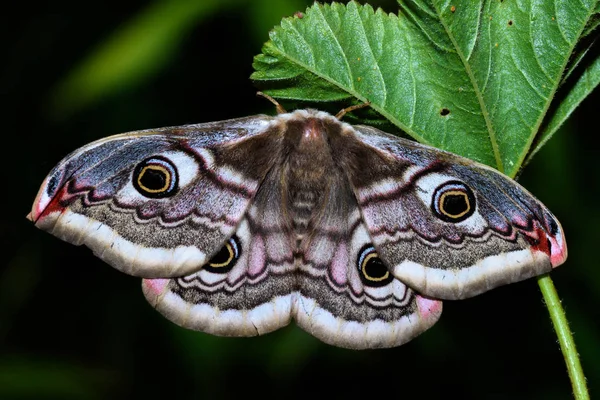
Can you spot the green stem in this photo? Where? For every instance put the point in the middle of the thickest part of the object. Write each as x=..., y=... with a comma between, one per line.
x=565, y=337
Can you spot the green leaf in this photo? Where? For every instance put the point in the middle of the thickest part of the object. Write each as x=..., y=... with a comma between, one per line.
x=589, y=80
x=474, y=78
x=593, y=22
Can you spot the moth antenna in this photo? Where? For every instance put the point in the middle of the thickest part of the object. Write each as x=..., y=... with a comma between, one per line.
x=346, y=110
x=278, y=107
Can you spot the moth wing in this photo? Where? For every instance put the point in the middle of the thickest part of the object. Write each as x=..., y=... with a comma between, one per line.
x=346, y=296
x=253, y=296
x=91, y=196
x=405, y=193
x=320, y=288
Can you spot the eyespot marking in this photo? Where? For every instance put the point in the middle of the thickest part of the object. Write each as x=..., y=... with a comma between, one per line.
x=155, y=177
x=453, y=201
x=373, y=271
x=226, y=258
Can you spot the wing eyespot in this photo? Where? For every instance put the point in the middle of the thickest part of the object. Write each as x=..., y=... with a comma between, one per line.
x=226, y=258
x=155, y=177
x=453, y=202
x=373, y=271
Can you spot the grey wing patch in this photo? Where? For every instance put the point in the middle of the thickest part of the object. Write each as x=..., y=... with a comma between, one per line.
x=346, y=295
x=499, y=233
x=93, y=198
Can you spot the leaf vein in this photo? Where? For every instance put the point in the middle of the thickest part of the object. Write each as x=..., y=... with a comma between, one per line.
x=348, y=69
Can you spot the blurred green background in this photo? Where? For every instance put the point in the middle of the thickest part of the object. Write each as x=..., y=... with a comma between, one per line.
x=72, y=327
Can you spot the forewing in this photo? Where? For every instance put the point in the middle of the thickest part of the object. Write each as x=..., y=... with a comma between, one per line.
x=505, y=234
x=91, y=197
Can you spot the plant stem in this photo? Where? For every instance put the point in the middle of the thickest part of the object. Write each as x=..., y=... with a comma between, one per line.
x=565, y=337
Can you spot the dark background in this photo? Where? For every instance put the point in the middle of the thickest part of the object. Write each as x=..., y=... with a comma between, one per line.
x=72, y=327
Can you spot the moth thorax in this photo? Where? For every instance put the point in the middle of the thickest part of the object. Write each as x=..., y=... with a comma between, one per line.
x=308, y=177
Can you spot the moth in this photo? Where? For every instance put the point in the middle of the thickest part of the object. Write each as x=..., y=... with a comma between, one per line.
x=240, y=226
